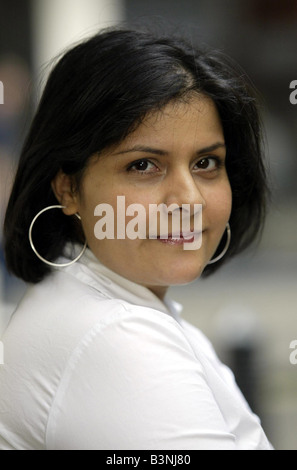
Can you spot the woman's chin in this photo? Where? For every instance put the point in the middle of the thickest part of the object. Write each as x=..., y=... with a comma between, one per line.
x=183, y=275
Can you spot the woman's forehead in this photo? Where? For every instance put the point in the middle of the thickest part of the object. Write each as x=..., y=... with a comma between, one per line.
x=196, y=115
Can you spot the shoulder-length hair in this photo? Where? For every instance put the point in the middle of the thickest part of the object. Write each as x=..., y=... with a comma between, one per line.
x=99, y=92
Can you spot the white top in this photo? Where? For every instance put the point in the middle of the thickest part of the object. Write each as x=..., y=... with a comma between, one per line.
x=94, y=361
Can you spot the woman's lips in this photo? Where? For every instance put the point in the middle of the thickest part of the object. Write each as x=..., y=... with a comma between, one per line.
x=180, y=239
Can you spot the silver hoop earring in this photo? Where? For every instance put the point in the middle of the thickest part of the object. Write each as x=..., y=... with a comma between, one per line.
x=220, y=256
x=49, y=263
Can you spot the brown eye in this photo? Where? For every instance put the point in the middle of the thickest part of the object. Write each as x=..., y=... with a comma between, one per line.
x=208, y=164
x=203, y=164
x=142, y=166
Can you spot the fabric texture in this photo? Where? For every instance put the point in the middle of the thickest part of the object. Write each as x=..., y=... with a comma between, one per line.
x=94, y=361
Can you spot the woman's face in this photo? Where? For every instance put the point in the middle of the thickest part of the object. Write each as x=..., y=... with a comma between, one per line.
x=175, y=156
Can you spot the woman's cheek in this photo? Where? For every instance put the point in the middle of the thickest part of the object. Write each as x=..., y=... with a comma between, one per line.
x=219, y=204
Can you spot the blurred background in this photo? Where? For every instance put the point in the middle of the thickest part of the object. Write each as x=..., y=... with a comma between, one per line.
x=248, y=309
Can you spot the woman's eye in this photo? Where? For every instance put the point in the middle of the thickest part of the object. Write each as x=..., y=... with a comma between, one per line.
x=142, y=166
x=208, y=164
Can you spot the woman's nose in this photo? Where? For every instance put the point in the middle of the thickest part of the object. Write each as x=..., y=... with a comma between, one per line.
x=183, y=189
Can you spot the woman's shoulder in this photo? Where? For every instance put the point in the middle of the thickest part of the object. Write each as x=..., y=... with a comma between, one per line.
x=64, y=298
x=61, y=310
x=58, y=321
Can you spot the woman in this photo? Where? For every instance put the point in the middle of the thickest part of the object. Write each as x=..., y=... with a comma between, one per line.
x=96, y=355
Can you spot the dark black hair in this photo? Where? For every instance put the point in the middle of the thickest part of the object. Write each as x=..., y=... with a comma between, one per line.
x=95, y=96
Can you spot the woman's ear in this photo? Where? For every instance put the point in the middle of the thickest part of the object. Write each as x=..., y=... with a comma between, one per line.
x=64, y=189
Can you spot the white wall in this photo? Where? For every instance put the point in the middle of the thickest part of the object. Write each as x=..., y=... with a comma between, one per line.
x=56, y=24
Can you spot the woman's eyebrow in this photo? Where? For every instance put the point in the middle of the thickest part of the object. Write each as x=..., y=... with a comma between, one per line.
x=140, y=148
x=211, y=148
x=155, y=151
